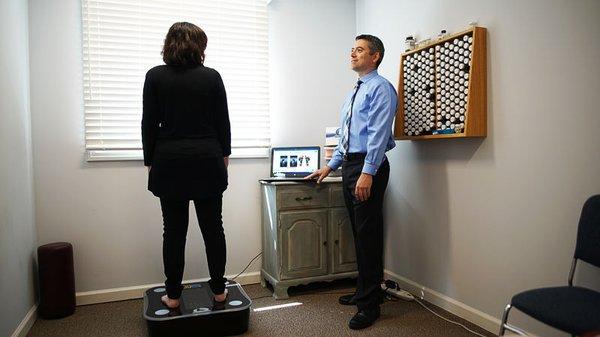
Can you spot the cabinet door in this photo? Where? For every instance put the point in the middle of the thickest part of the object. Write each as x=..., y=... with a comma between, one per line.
x=343, y=253
x=303, y=238
x=337, y=196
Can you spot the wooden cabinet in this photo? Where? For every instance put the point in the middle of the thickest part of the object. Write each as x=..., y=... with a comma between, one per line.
x=306, y=234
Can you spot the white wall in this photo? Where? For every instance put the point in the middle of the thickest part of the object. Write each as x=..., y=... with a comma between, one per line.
x=104, y=209
x=479, y=220
x=17, y=223
x=310, y=45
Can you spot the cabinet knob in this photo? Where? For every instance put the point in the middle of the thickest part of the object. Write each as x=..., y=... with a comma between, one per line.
x=324, y=243
x=303, y=198
x=337, y=242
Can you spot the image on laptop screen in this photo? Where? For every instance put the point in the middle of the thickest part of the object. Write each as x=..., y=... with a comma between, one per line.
x=294, y=161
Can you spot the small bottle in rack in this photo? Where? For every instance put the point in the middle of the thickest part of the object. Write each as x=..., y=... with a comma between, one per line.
x=409, y=43
x=442, y=34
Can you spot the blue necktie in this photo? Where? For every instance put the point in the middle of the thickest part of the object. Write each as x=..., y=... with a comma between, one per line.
x=346, y=134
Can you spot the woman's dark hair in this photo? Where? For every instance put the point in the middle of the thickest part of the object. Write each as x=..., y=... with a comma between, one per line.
x=184, y=45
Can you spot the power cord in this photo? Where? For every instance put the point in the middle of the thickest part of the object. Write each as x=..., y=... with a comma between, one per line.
x=265, y=296
x=389, y=284
x=249, y=263
x=259, y=297
x=449, y=320
x=309, y=294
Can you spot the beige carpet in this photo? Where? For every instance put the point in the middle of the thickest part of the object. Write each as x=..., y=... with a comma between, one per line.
x=318, y=315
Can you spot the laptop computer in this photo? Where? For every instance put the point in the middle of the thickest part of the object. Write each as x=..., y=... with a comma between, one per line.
x=294, y=163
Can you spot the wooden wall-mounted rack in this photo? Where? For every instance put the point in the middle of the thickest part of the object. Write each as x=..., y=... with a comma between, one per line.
x=442, y=90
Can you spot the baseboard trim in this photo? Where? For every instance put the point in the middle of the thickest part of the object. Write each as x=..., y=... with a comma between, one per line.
x=479, y=318
x=23, y=328
x=134, y=292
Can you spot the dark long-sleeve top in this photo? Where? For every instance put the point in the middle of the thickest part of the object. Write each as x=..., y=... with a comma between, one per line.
x=184, y=103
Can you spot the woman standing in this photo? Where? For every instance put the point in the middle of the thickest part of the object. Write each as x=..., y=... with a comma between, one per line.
x=187, y=142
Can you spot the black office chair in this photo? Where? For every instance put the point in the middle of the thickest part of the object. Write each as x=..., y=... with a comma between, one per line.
x=575, y=310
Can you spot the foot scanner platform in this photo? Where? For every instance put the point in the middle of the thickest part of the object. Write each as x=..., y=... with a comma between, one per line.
x=198, y=314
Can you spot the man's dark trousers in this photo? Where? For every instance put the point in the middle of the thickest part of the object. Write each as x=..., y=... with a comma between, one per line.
x=367, y=226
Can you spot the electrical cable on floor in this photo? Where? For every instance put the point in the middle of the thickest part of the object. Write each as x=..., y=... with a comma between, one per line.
x=259, y=297
x=388, y=297
x=391, y=298
x=256, y=298
x=393, y=285
x=249, y=263
x=311, y=294
x=448, y=320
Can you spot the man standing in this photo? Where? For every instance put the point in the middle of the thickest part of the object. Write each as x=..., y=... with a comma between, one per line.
x=367, y=116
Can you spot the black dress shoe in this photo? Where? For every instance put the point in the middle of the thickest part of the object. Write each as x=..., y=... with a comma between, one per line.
x=364, y=318
x=347, y=300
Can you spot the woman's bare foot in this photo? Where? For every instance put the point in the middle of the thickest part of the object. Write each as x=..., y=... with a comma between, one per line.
x=169, y=302
x=221, y=297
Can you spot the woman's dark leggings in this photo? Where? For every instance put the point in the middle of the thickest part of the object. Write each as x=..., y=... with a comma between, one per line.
x=175, y=224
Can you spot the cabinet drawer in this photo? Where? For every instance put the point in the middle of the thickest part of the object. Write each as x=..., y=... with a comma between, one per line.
x=337, y=196
x=302, y=197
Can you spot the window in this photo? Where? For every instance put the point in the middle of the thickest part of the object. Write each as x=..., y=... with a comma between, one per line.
x=122, y=40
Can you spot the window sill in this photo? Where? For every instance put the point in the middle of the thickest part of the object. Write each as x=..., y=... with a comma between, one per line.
x=137, y=155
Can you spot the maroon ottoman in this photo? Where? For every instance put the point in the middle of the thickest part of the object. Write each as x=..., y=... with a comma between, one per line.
x=57, y=280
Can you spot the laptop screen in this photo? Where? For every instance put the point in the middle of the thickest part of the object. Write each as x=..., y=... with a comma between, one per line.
x=294, y=161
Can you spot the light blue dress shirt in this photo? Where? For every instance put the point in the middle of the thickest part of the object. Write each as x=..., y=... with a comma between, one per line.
x=371, y=124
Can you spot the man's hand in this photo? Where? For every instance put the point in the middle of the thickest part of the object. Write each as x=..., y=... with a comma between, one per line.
x=363, y=187
x=226, y=161
x=319, y=174
x=149, y=168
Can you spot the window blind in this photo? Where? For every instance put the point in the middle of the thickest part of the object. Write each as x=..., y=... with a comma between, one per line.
x=123, y=39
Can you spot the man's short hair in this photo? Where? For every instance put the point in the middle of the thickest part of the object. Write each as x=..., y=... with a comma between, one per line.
x=375, y=45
